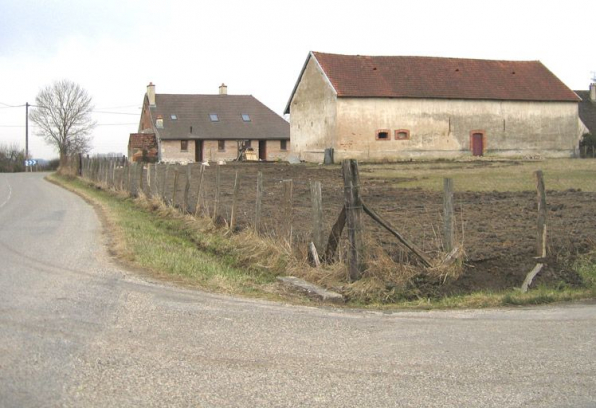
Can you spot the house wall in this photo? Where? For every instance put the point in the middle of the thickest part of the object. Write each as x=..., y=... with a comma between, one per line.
x=313, y=115
x=442, y=128
x=171, y=151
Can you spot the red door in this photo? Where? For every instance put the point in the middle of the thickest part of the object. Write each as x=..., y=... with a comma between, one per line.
x=477, y=144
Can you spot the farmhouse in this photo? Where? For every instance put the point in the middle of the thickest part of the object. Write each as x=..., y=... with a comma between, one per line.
x=195, y=128
x=377, y=108
x=587, y=110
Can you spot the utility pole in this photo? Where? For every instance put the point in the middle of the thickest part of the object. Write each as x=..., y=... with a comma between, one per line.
x=27, y=131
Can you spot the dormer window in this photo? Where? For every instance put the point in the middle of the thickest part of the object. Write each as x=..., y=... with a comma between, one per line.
x=246, y=117
x=214, y=117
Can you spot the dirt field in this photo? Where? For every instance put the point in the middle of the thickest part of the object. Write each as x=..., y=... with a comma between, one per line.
x=497, y=228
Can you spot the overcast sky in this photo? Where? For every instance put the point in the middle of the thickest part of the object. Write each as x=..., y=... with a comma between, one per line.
x=114, y=48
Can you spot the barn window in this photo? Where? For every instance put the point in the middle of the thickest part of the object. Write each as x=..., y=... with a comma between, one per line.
x=402, y=134
x=184, y=145
x=382, y=134
x=221, y=145
x=283, y=145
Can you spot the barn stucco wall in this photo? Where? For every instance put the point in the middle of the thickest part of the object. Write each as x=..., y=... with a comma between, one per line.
x=313, y=115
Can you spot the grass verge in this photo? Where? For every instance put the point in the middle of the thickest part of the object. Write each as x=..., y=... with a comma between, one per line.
x=162, y=242
x=168, y=245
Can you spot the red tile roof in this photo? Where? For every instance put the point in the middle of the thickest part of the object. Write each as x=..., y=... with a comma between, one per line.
x=450, y=78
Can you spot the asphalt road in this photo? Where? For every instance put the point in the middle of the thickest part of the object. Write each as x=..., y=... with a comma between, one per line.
x=76, y=330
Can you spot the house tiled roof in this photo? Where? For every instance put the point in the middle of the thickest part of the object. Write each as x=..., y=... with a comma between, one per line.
x=432, y=77
x=587, y=110
x=193, y=111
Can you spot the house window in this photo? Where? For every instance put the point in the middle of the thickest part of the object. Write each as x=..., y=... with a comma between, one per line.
x=221, y=145
x=214, y=117
x=383, y=134
x=283, y=145
x=184, y=145
x=173, y=116
x=159, y=122
x=402, y=134
x=246, y=117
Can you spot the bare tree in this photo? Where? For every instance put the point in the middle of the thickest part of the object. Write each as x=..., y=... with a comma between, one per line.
x=63, y=114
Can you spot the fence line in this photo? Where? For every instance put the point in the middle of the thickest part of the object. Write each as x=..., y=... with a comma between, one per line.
x=290, y=206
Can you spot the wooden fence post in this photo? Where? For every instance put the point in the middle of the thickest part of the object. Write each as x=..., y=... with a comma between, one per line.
x=186, y=204
x=173, y=202
x=353, y=205
x=317, y=215
x=448, y=221
x=288, y=207
x=217, y=192
x=234, y=201
x=154, y=187
x=258, y=201
x=199, y=190
x=541, y=237
x=141, y=190
x=165, y=183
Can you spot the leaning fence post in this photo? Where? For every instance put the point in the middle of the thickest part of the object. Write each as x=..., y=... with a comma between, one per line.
x=234, y=201
x=353, y=205
x=317, y=215
x=448, y=222
x=258, y=201
x=541, y=237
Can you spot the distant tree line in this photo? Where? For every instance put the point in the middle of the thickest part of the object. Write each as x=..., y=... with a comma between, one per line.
x=12, y=158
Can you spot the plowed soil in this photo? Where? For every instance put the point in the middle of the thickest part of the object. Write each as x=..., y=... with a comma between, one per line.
x=497, y=229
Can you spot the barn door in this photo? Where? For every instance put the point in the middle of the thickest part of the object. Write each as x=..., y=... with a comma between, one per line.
x=477, y=144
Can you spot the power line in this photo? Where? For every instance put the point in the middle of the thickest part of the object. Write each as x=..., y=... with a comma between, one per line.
x=116, y=113
x=7, y=106
x=121, y=107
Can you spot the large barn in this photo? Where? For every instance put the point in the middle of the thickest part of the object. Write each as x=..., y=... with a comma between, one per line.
x=378, y=108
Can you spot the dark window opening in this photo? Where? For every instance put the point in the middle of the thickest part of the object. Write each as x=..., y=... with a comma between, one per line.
x=283, y=145
x=383, y=134
x=221, y=145
x=184, y=145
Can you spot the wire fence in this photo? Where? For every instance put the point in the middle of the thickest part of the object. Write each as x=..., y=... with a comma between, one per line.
x=497, y=229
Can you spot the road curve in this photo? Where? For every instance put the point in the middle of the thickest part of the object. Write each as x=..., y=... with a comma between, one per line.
x=78, y=331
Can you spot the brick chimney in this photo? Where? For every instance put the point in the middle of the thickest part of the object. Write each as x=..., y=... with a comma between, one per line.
x=593, y=92
x=223, y=89
x=151, y=94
